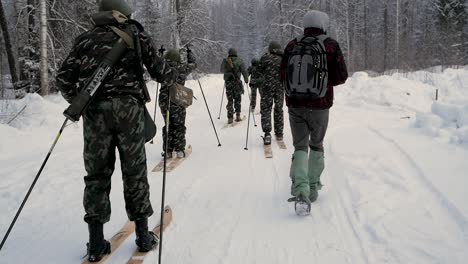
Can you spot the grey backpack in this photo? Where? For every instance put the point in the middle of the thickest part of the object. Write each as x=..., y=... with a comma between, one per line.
x=307, y=72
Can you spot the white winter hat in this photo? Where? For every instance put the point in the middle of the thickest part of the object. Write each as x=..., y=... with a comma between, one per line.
x=316, y=19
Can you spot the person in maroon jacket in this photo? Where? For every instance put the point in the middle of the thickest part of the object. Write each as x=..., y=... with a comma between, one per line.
x=309, y=117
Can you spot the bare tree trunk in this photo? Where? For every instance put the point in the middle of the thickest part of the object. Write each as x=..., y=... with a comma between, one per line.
x=397, y=35
x=348, y=41
x=1, y=75
x=8, y=46
x=44, y=64
x=385, y=42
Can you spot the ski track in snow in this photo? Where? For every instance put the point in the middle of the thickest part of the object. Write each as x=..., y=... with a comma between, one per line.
x=378, y=204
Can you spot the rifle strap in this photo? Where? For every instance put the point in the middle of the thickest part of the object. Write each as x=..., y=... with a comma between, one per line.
x=123, y=35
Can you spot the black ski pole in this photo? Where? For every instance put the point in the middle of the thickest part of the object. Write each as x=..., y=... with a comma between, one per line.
x=250, y=106
x=248, y=130
x=163, y=194
x=222, y=99
x=209, y=113
x=33, y=184
x=155, y=107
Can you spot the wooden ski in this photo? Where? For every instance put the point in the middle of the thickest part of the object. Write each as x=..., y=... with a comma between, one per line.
x=177, y=161
x=137, y=256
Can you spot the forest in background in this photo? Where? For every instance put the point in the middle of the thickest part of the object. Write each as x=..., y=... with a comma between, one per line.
x=375, y=35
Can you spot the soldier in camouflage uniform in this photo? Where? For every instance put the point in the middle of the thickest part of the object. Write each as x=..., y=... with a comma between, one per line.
x=256, y=82
x=177, y=114
x=233, y=67
x=272, y=92
x=114, y=119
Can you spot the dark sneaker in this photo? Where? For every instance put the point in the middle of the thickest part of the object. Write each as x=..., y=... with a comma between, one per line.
x=267, y=139
x=238, y=117
x=180, y=154
x=230, y=120
x=279, y=137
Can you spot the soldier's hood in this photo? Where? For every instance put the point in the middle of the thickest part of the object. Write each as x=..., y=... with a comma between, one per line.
x=109, y=18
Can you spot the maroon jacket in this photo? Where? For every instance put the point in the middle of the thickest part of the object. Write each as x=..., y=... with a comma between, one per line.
x=337, y=72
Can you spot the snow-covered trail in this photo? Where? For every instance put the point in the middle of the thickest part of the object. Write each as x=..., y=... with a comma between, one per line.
x=384, y=200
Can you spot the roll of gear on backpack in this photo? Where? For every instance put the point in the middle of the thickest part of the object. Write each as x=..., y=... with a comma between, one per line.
x=307, y=71
x=127, y=40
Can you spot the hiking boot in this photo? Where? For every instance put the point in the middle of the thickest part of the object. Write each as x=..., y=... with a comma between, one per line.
x=180, y=154
x=238, y=117
x=97, y=246
x=267, y=139
x=279, y=137
x=230, y=120
x=145, y=240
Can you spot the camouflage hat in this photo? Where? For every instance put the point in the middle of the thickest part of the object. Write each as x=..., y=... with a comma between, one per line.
x=172, y=55
x=275, y=47
x=118, y=5
x=255, y=61
x=232, y=52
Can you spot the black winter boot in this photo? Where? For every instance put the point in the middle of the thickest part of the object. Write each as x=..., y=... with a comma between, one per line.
x=97, y=246
x=145, y=240
x=238, y=117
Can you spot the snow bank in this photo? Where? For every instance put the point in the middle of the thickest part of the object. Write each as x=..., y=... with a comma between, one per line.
x=39, y=112
x=414, y=94
x=448, y=117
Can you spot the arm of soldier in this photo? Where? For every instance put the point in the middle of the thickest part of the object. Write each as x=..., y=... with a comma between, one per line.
x=244, y=72
x=191, y=62
x=156, y=65
x=223, y=66
x=68, y=75
x=337, y=70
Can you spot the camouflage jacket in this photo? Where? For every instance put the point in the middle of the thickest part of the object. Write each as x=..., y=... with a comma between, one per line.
x=270, y=65
x=87, y=53
x=239, y=69
x=256, y=76
x=183, y=71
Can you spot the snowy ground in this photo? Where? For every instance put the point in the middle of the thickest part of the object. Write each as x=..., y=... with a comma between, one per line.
x=395, y=183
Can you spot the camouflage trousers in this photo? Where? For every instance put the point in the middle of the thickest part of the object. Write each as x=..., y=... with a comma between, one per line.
x=234, y=91
x=111, y=124
x=177, y=129
x=270, y=95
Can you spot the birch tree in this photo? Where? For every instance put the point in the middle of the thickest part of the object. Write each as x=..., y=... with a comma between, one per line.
x=44, y=62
